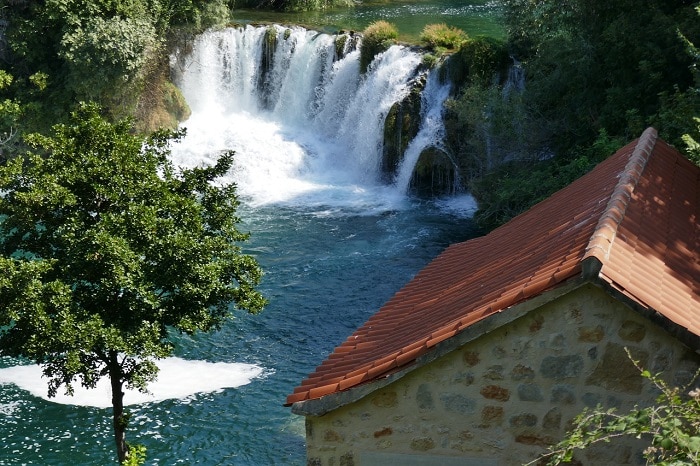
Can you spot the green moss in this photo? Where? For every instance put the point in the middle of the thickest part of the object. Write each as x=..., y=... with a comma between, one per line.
x=268, y=54
x=434, y=174
x=400, y=127
x=477, y=60
x=340, y=41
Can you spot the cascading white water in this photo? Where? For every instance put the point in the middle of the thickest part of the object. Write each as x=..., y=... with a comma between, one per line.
x=311, y=131
x=431, y=131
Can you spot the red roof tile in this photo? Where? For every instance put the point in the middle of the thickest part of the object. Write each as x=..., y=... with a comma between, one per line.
x=636, y=213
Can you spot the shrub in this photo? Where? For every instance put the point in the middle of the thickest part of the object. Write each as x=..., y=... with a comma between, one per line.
x=671, y=427
x=105, y=56
x=442, y=35
x=376, y=38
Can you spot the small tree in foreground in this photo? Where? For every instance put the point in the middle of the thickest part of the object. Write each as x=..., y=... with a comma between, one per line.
x=105, y=248
x=672, y=427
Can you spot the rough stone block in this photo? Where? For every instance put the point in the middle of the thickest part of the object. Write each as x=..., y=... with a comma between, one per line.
x=494, y=392
x=494, y=373
x=458, y=403
x=616, y=372
x=383, y=433
x=463, y=378
x=552, y=420
x=563, y=394
x=591, y=334
x=632, y=331
x=522, y=372
x=561, y=367
x=491, y=415
x=471, y=358
x=422, y=444
x=529, y=392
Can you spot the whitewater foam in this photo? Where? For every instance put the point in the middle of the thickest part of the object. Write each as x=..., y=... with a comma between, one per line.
x=177, y=379
x=309, y=133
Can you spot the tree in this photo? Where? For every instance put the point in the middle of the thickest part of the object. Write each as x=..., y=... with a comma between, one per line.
x=106, y=248
x=672, y=426
x=596, y=64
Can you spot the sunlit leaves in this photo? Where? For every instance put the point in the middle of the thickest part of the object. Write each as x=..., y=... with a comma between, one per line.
x=671, y=426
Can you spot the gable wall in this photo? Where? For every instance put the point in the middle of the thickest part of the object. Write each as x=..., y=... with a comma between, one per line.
x=502, y=398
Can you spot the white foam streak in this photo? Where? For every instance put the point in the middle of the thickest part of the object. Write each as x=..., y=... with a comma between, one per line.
x=177, y=379
x=431, y=130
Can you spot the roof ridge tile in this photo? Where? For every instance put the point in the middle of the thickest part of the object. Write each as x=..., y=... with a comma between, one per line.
x=606, y=230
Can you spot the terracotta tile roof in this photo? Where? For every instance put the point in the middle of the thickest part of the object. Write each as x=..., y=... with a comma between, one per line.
x=634, y=217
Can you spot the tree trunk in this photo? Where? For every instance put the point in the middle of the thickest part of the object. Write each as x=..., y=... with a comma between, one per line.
x=119, y=420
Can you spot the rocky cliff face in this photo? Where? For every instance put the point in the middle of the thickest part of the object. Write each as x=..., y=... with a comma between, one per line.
x=400, y=127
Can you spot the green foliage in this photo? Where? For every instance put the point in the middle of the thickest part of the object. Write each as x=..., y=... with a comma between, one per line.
x=596, y=77
x=442, y=35
x=376, y=38
x=95, y=50
x=672, y=427
x=592, y=65
x=485, y=127
x=136, y=456
x=105, y=248
x=10, y=114
x=515, y=186
x=103, y=57
x=692, y=146
x=481, y=60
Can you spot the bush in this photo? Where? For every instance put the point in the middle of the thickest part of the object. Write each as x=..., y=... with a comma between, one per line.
x=671, y=427
x=442, y=35
x=376, y=38
x=478, y=60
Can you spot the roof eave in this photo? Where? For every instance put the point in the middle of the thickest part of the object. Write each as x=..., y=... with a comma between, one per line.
x=682, y=334
x=333, y=401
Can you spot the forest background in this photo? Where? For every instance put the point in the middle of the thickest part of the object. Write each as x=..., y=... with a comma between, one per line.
x=597, y=74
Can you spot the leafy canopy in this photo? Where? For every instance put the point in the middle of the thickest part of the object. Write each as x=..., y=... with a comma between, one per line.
x=105, y=247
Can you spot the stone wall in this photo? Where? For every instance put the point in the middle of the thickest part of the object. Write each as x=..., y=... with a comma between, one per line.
x=504, y=397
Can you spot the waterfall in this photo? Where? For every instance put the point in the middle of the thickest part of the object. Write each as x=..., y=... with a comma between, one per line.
x=306, y=125
x=432, y=129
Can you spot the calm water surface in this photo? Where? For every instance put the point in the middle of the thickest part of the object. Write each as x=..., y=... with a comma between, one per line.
x=476, y=18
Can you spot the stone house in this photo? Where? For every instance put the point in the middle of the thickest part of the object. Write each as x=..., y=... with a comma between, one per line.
x=488, y=352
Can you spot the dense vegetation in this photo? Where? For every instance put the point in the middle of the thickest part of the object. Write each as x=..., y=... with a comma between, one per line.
x=598, y=73
x=61, y=52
